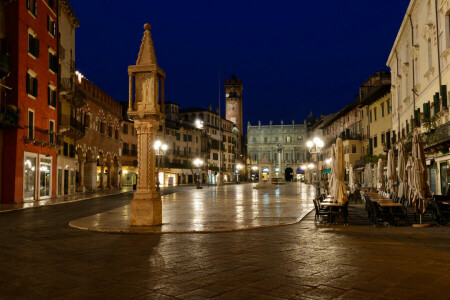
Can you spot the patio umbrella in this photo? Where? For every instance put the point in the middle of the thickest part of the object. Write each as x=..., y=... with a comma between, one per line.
x=341, y=191
x=333, y=171
x=380, y=177
x=368, y=176
x=421, y=188
x=391, y=174
x=401, y=168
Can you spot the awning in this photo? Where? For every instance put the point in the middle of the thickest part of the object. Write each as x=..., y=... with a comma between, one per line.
x=327, y=171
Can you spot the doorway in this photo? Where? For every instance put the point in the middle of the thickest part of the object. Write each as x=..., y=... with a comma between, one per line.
x=66, y=182
x=288, y=174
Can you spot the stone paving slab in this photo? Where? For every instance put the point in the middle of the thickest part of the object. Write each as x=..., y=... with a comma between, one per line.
x=214, y=209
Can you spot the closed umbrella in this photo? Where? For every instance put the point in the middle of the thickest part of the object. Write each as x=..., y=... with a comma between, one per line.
x=351, y=179
x=368, y=176
x=374, y=175
x=410, y=176
x=421, y=188
x=380, y=177
x=333, y=171
x=401, y=168
x=391, y=174
x=341, y=191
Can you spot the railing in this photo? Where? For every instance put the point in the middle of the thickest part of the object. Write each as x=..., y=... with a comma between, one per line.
x=441, y=134
x=9, y=116
x=40, y=136
x=77, y=124
x=351, y=137
x=74, y=91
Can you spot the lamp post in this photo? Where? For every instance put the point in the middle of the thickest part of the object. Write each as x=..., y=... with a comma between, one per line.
x=198, y=163
x=160, y=150
x=315, y=147
x=238, y=169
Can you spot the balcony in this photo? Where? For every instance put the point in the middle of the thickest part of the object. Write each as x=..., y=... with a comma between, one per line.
x=40, y=137
x=72, y=92
x=439, y=136
x=4, y=65
x=9, y=116
x=71, y=127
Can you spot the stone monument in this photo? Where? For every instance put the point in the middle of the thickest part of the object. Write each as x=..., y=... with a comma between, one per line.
x=146, y=79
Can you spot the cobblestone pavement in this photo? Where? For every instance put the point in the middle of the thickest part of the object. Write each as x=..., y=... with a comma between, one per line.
x=42, y=258
x=227, y=208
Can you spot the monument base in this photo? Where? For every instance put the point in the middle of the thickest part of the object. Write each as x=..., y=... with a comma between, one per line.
x=146, y=210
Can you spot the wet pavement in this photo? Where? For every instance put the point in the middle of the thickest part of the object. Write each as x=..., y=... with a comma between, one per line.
x=43, y=257
x=215, y=209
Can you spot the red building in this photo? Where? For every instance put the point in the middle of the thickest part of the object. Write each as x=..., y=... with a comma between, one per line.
x=29, y=150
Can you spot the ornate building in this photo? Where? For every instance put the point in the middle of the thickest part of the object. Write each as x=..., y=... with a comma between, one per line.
x=233, y=108
x=283, y=146
x=99, y=151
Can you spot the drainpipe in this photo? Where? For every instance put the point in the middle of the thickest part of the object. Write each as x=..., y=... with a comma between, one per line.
x=438, y=46
x=412, y=46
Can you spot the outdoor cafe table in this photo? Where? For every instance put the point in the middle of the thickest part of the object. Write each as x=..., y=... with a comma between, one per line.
x=330, y=206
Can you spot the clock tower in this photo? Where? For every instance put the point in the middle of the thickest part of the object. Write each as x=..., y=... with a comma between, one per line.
x=233, y=106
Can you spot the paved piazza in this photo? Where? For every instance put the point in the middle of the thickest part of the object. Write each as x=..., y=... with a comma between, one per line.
x=212, y=209
x=44, y=258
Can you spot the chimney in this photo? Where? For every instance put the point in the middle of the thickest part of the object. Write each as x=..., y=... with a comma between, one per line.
x=210, y=107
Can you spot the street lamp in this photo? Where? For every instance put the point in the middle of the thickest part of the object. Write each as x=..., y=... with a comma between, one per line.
x=198, y=163
x=238, y=169
x=315, y=147
x=160, y=150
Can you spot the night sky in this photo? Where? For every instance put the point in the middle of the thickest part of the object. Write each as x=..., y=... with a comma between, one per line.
x=293, y=56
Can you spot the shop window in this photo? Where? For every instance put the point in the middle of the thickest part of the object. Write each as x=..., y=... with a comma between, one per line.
x=29, y=178
x=45, y=177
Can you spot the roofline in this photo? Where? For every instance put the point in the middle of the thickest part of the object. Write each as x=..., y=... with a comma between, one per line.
x=400, y=31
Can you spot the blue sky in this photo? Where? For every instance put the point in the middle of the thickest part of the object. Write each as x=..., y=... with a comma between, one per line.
x=293, y=56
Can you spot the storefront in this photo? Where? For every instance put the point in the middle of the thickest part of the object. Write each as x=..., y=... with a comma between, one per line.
x=37, y=177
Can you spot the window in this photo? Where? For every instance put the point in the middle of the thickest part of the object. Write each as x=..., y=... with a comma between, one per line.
x=407, y=127
x=288, y=139
x=53, y=62
x=51, y=26
x=353, y=148
x=383, y=139
x=30, y=124
x=125, y=128
x=265, y=140
x=51, y=132
x=33, y=45
x=215, y=156
x=32, y=6
x=32, y=84
x=185, y=138
x=375, y=143
x=374, y=113
x=51, y=95
x=370, y=116
x=125, y=149
x=178, y=136
x=109, y=131
x=382, y=109
x=388, y=107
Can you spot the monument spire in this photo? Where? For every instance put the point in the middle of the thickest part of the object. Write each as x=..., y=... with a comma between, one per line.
x=146, y=54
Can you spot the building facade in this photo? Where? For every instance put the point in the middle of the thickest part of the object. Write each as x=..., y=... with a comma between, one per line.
x=71, y=98
x=99, y=151
x=29, y=156
x=420, y=66
x=283, y=146
x=233, y=108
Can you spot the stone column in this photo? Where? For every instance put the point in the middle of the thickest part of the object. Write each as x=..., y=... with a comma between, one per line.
x=108, y=176
x=130, y=91
x=90, y=175
x=81, y=163
x=102, y=173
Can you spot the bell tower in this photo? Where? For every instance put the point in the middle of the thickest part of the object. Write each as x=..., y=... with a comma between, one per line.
x=233, y=105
